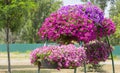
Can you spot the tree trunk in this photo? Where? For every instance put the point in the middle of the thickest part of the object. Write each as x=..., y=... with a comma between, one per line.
x=8, y=49
x=7, y=2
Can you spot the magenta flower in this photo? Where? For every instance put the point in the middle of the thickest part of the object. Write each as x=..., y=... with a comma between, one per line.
x=97, y=52
x=107, y=27
x=76, y=22
x=79, y=23
x=77, y=27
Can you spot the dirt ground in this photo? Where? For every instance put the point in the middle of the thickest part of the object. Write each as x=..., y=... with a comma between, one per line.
x=20, y=63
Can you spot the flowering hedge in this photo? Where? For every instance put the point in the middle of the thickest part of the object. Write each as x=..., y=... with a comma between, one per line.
x=65, y=56
x=76, y=22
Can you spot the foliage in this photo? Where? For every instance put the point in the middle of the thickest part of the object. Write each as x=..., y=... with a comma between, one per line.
x=24, y=17
x=65, y=56
x=41, y=11
x=101, y=3
x=14, y=13
x=115, y=15
x=95, y=68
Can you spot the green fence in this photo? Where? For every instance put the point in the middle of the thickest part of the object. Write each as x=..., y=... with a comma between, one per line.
x=116, y=51
x=29, y=47
x=21, y=47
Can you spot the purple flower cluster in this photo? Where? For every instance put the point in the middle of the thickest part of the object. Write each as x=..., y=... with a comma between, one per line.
x=77, y=26
x=107, y=28
x=85, y=23
x=97, y=52
x=89, y=10
x=76, y=22
x=65, y=56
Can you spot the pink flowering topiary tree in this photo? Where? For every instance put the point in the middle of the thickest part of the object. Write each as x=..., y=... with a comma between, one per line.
x=76, y=22
x=79, y=23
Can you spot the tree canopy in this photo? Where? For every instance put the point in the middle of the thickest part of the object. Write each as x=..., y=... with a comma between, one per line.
x=24, y=17
x=115, y=15
x=43, y=9
x=14, y=13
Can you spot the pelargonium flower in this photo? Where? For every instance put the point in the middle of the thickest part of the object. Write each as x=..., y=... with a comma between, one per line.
x=97, y=51
x=65, y=56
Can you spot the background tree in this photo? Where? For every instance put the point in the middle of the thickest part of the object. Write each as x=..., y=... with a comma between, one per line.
x=101, y=3
x=115, y=15
x=42, y=10
x=12, y=15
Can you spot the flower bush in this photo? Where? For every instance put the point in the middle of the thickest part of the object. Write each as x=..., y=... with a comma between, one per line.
x=83, y=22
x=65, y=56
x=97, y=51
x=78, y=23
